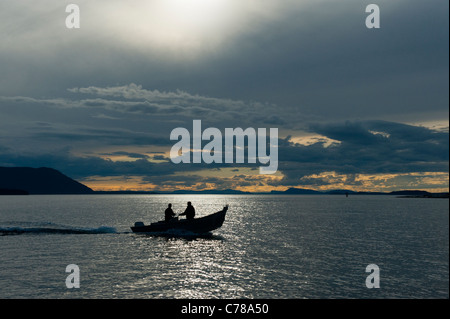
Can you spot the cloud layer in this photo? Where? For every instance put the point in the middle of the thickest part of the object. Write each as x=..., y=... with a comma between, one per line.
x=126, y=120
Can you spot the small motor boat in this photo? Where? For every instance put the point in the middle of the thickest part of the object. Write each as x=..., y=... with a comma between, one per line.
x=196, y=225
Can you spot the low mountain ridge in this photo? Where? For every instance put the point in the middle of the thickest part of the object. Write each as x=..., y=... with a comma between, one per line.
x=39, y=181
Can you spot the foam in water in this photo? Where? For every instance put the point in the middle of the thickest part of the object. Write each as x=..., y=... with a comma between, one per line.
x=51, y=228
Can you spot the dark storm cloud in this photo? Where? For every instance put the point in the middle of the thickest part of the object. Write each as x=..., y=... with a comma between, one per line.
x=82, y=167
x=133, y=98
x=324, y=62
x=371, y=147
x=103, y=136
x=127, y=154
x=380, y=147
x=128, y=115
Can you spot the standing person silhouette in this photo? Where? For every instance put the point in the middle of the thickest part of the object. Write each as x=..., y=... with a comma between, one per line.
x=189, y=212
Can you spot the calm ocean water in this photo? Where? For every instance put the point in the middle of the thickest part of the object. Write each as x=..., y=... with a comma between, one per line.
x=269, y=247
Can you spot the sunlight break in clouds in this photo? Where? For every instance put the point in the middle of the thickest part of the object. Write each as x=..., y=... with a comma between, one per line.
x=185, y=27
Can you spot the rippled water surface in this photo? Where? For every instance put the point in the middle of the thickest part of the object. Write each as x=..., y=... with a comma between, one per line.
x=269, y=247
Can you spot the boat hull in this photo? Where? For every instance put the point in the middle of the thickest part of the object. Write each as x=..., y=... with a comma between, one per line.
x=197, y=225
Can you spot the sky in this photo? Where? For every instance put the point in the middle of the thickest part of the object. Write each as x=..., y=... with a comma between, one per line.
x=355, y=108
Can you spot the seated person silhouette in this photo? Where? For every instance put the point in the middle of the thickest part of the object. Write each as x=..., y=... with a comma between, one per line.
x=189, y=212
x=169, y=214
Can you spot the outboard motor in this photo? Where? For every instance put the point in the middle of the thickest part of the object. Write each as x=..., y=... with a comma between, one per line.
x=138, y=224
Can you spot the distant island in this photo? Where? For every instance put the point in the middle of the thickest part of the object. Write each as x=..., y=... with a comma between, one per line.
x=290, y=191
x=40, y=181
x=33, y=181
x=402, y=193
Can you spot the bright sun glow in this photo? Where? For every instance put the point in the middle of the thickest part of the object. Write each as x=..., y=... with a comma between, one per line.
x=193, y=23
x=193, y=13
x=186, y=26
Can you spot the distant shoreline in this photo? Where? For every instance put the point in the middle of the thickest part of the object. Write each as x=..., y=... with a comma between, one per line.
x=48, y=181
x=291, y=191
x=398, y=194
x=438, y=195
